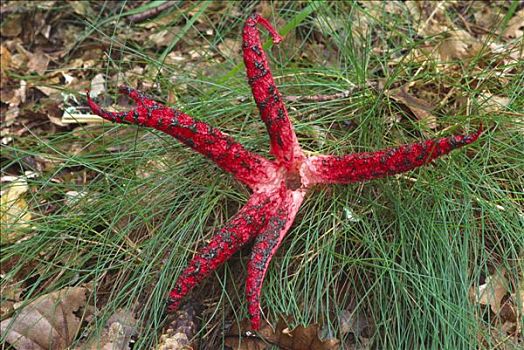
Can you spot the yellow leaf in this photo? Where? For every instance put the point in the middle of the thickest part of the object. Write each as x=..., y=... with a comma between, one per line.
x=14, y=214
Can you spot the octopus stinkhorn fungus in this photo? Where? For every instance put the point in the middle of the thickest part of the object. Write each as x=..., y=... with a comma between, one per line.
x=278, y=185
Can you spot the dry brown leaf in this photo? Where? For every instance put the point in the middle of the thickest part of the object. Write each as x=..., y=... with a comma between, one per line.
x=48, y=91
x=18, y=61
x=518, y=296
x=249, y=340
x=298, y=338
x=518, y=301
x=120, y=327
x=11, y=292
x=419, y=107
x=430, y=16
x=12, y=25
x=82, y=8
x=307, y=338
x=98, y=85
x=492, y=291
x=38, y=62
x=163, y=37
x=515, y=27
x=433, y=21
x=355, y=322
x=11, y=114
x=486, y=17
x=377, y=8
x=5, y=58
x=492, y=103
x=459, y=45
x=14, y=98
x=48, y=322
x=14, y=213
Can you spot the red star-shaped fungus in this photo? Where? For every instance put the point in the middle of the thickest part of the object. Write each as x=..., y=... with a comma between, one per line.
x=279, y=185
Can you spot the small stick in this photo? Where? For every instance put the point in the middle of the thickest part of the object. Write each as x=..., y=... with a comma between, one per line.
x=322, y=98
x=142, y=16
x=319, y=98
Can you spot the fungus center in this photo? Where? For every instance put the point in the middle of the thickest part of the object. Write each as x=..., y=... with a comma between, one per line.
x=293, y=180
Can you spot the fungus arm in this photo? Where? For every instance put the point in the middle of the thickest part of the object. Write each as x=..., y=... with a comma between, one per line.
x=371, y=165
x=283, y=141
x=265, y=246
x=222, y=149
x=245, y=225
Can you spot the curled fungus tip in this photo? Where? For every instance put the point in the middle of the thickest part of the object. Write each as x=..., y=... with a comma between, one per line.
x=265, y=23
x=480, y=130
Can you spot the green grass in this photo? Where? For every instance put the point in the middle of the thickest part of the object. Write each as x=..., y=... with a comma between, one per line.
x=404, y=250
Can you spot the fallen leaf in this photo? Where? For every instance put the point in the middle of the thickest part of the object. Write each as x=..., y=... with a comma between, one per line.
x=5, y=58
x=429, y=17
x=18, y=61
x=98, y=85
x=14, y=212
x=164, y=37
x=73, y=197
x=518, y=296
x=298, y=338
x=355, y=322
x=48, y=322
x=492, y=291
x=307, y=338
x=38, y=62
x=518, y=301
x=47, y=90
x=12, y=25
x=11, y=292
x=117, y=335
x=81, y=7
x=515, y=27
x=241, y=338
x=419, y=107
x=160, y=21
x=492, y=103
x=485, y=16
x=459, y=45
x=14, y=98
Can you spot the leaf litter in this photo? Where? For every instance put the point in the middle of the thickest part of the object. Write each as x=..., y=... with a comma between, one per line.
x=48, y=323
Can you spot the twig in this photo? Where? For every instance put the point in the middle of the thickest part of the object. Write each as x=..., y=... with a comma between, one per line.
x=139, y=17
x=322, y=98
x=319, y=98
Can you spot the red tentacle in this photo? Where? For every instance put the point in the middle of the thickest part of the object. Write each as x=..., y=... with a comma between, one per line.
x=228, y=154
x=245, y=225
x=372, y=165
x=266, y=244
x=284, y=145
